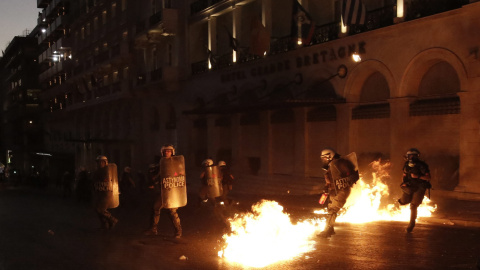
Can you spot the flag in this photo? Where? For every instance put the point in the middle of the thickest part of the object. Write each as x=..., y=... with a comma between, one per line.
x=353, y=12
x=260, y=38
x=234, y=44
x=303, y=26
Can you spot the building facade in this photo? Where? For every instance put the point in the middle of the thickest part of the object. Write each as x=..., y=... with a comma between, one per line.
x=21, y=127
x=229, y=81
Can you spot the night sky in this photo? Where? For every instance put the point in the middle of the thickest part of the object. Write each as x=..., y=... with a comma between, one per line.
x=15, y=17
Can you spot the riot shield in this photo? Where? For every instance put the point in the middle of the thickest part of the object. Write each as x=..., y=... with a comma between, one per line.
x=344, y=171
x=173, y=182
x=114, y=198
x=214, y=181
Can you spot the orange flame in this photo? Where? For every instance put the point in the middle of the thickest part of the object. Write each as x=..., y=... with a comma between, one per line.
x=267, y=235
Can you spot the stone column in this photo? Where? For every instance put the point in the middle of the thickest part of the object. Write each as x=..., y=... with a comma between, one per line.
x=267, y=15
x=266, y=143
x=236, y=139
x=237, y=27
x=344, y=119
x=212, y=138
x=212, y=35
x=399, y=135
x=469, y=143
x=300, y=142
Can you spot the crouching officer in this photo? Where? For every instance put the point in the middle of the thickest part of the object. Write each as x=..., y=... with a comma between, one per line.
x=416, y=180
x=106, y=195
x=170, y=189
x=340, y=174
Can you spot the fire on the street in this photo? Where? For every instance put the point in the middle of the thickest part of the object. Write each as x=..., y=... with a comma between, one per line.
x=267, y=235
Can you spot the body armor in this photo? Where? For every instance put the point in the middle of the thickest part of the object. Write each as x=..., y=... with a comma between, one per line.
x=411, y=185
x=173, y=182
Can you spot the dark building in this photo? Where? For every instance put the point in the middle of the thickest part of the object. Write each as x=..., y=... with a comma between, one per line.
x=21, y=126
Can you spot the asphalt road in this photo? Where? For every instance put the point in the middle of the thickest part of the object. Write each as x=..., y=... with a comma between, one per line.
x=41, y=230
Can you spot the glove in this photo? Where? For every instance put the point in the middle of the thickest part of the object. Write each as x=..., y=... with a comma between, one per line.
x=327, y=187
x=428, y=185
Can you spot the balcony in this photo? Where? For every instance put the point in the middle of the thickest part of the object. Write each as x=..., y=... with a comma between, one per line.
x=54, y=31
x=42, y=3
x=58, y=67
x=53, y=8
x=58, y=48
x=375, y=19
x=200, y=5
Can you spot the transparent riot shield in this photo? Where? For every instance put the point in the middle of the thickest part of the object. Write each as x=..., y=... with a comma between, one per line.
x=173, y=182
x=214, y=182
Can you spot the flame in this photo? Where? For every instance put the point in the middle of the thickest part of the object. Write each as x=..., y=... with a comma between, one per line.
x=267, y=235
x=366, y=202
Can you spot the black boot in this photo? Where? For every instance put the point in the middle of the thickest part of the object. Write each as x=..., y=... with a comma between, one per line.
x=329, y=231
x=329, y=226
x=176, y=223
x=413, y=217
x=153, y=230
x=112, y=221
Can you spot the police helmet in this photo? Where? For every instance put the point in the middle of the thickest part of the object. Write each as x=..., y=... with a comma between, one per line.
x=222, y=163
x=413, y=151
x=207, y=162
x=100, y=157
x=167, y=147
x=328, y=154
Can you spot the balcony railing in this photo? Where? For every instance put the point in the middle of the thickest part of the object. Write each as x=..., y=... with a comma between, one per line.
x=200, y=67
x=375, y=19
x=200, y=5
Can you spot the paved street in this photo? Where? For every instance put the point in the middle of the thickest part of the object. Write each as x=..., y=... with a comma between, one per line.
x=41, y=230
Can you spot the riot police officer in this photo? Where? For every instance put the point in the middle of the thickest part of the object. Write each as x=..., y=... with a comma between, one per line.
x=340, y=175
x=227, y=181
x=210, y=187
x=161, y=200
x=416, y=180
x=105, y=183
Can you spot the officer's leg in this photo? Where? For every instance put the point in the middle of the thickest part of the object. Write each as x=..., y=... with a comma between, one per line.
x=407, y=195
x=100, y=209
x=157, y=207
x=176, y=222
x=417, y=199
x=413, y=217
x=337, y=202
x=202, y=195
x=112, y=221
